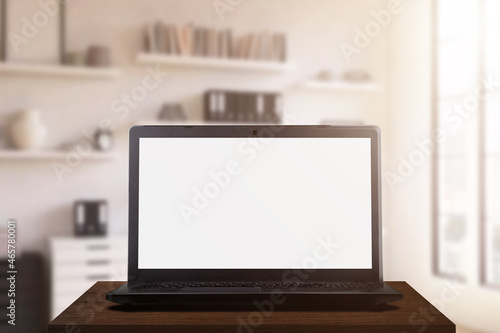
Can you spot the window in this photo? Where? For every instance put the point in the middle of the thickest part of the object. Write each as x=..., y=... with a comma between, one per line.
x=466, y=166
x=490, y=151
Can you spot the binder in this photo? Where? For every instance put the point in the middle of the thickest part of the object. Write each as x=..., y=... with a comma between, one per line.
x=90, y=218
x=210, y=102
x=221, y=104
x=273, y=108
x=242, y=107
x=260, y=107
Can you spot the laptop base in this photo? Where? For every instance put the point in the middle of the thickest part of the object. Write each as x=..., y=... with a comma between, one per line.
x=250, y=298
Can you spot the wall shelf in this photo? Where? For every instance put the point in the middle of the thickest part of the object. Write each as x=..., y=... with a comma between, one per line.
x=58, y=70
x=213, y=63
x=341, y=86
x=154, y=122
x=31, y=155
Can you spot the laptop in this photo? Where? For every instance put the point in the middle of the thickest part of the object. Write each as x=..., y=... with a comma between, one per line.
x=237, y=215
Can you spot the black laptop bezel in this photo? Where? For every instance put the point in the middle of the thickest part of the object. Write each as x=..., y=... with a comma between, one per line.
x=139, y=276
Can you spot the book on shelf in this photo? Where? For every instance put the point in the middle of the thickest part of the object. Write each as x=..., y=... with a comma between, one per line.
x=206, y=42
x=230, y=43
x=212, y=43
x=247, y=46
x=224, y=41
x=189, y=33
x=280, y=46
x=173, y=41
x=251, y=48
x=265, y=47
x=197, y=50
x=159, y=37
x=150, y=39
x=197, y=41
x=185, y=39
x=180, y=37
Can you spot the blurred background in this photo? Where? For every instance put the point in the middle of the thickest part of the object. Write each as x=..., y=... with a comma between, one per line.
x=76, y=75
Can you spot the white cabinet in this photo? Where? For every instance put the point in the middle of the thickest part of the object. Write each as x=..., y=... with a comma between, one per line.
x=76, y=264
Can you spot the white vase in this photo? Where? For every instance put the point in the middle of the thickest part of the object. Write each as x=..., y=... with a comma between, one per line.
x=27, y=130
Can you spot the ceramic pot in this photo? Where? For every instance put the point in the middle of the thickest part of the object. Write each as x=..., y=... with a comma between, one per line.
x=326, y=75
x=76, y=59
x=27, y=130
x=99, y=56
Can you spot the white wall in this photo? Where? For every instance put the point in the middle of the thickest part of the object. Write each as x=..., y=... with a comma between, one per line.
x=31, y=192
x=409, y=230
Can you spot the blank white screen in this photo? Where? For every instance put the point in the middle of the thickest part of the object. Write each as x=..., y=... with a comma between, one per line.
x=290, y=196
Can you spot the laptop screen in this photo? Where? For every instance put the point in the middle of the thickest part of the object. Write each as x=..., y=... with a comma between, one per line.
x=254, y=203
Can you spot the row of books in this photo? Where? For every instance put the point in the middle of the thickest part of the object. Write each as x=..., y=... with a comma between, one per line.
x=236, y=106
x=189, y=40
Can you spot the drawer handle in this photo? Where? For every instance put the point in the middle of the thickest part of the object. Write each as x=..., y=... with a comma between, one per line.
x=98, y=277
x=98, y=262
x=97, y=247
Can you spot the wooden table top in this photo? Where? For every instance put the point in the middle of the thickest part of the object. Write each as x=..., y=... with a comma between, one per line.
x=93, y=313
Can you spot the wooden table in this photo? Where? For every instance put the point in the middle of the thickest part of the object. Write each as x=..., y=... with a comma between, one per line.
x=92, y=313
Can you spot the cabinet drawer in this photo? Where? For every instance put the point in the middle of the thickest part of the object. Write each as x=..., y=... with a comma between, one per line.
x=76, y=264
x=86, y=244
x=71, y=256
x=117, y=269
x=84, y=250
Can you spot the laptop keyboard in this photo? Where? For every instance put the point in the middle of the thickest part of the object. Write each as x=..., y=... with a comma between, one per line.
x=278, y=284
